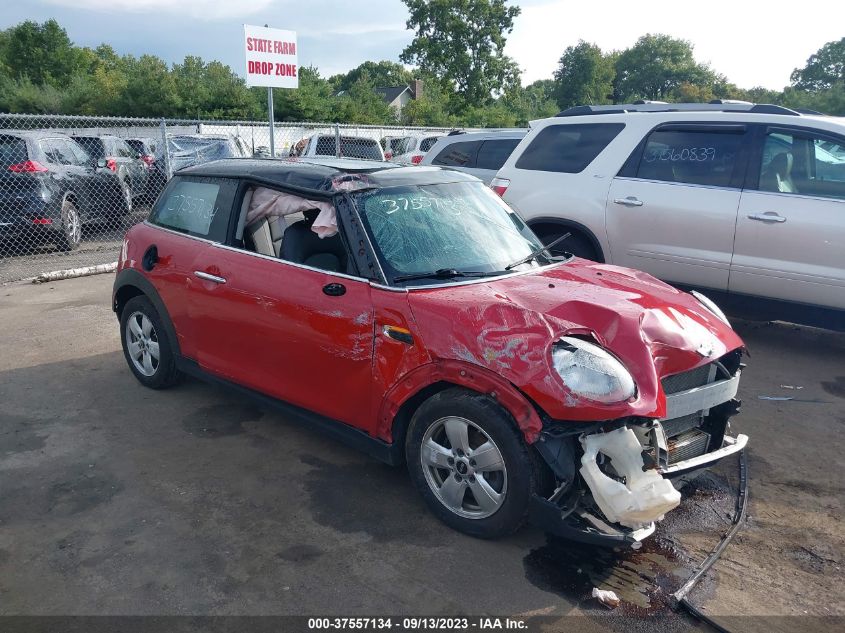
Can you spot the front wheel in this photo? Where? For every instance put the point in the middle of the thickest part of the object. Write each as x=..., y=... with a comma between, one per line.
x=469, y=462
x=576, y=244
x=146, y=346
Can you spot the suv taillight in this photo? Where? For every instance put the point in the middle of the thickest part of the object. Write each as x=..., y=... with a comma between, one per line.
x=28, y=167
x=500, y=185
x=111, y=163
x=388, y=155
x=149, y=160
x=416, y=158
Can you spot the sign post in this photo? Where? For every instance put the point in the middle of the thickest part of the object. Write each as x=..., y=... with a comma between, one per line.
x=271, y=61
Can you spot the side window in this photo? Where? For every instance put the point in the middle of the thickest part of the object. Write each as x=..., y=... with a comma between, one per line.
x=326, y=146
x=65, y=151
x=803, y=163
x=694, y=156
x=50, y=152
x=493, y=154
x=427, y=143
x=124, y=150
x=196, y=206
x=82, y=157
x=567, y=148
x=458, y=154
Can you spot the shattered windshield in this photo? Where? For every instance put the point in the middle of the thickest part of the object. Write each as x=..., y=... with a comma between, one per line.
x=459, y=227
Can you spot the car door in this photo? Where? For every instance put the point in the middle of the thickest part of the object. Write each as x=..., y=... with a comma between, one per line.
x=790, y=233
x=191, y=214
x=295, y=333
x=671, y=211
x=134, y=165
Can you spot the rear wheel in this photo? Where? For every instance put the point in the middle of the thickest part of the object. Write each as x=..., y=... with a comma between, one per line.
x=470, y=463
x=145, y=345
x=71, y=232
x=577, y=244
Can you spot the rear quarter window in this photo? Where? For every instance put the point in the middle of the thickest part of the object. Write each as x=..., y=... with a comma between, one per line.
x=196, y=206
x=463, y=154
x=12, y=151
x=93, y=146
x=567, y=148
x=493, y=154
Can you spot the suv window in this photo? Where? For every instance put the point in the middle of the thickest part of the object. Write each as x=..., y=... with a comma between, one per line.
x=694, y=156
x=427, y=143
x=59, y=151
x=12, y=151
x=92, y=145
x=461, y=154
x=350, y=147
x=493, y=154
x=196, y=206
x=51, y=152
x=567, y=148
x=803, y=163
x=124, y=150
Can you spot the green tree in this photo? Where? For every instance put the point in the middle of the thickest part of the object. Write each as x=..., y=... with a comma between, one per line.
x=584, y=76
x=432, y=109
x=655, y=67
x=41, y=52
x=535, y=101
x=463, y=42
x=312, y=101
x=824, y=69
x=383, y=73
x=150, y=88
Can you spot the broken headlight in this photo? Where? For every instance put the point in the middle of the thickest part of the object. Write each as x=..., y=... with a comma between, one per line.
x=592, y=372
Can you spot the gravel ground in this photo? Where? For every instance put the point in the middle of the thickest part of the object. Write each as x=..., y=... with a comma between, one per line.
x=118, y=500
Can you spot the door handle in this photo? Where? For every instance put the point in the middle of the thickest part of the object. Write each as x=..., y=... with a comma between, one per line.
x=630, y=201
x=334, y=290
x=210, y=277
x=768, y=216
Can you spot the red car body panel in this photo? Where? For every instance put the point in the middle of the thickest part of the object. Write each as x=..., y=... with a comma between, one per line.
x=270, y=327
x=508, y=326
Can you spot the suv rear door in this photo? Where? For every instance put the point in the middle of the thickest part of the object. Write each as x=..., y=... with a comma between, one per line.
x=790, y=233
x=671, y=211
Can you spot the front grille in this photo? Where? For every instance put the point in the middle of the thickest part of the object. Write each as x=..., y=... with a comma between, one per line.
x=697, y=377
x=676, y=426
x=687, y=445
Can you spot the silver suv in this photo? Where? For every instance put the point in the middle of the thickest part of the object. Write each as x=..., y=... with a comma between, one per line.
x=738, y=198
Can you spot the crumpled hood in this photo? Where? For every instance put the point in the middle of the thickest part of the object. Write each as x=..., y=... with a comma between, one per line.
x=509, y=326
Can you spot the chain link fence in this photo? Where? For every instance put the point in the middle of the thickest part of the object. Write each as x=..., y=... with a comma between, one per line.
x=70, y=186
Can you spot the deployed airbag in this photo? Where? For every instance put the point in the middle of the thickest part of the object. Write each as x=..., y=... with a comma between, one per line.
x=266, y=203
x=643, y=498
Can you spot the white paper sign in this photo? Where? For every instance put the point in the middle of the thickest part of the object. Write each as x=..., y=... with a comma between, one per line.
x=271, y=58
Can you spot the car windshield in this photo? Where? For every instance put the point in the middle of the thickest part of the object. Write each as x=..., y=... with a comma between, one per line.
x=459, y=227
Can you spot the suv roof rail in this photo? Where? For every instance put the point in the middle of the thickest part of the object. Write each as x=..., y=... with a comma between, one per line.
x=717, y=105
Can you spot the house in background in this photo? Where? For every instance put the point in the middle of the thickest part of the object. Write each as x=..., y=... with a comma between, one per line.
x=397, y=97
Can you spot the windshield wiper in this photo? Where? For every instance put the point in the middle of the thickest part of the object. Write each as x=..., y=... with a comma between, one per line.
x=536, y=253
x=442, y=273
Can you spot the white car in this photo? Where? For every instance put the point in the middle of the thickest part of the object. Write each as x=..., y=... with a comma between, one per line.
x=478, y=153
x=345, y=146
x=407, y=150
x=737, y=198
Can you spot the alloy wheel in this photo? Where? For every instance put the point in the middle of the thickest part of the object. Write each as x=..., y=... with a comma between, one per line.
x=142, y=343
x=464, y=467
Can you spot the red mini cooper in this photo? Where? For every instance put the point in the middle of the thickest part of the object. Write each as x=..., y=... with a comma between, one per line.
x=410, y=312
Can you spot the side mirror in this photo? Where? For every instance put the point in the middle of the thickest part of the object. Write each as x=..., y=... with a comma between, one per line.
x=101, y=163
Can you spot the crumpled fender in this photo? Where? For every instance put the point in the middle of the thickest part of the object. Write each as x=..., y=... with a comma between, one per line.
x=461, y=374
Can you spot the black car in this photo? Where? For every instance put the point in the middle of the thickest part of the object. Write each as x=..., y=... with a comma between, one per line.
x=114, y=154
x=50, y=187
x=151, y=152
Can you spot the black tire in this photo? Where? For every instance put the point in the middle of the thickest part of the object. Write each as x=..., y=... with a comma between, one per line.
x=523, y=475
x=70, y=236
x=164, y=372
x=577, y=244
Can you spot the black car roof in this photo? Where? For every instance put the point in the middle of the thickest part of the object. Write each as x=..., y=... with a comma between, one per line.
x=324, y=175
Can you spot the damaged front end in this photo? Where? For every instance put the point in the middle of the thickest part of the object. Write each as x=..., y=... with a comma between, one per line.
x=613, y=479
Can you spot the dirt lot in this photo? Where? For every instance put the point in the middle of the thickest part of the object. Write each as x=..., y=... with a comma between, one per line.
x=119, y=500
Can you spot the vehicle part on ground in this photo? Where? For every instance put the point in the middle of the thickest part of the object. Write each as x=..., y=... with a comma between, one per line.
x=681, y=596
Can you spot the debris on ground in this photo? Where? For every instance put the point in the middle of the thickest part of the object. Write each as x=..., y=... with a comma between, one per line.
x=72, y=273
x=791, y=387
x=607, y=598
x=779, y=398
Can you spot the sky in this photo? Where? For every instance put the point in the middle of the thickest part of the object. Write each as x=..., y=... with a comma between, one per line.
x=753, y=43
